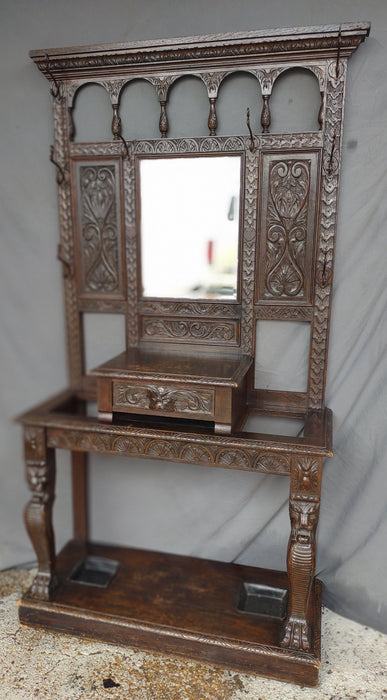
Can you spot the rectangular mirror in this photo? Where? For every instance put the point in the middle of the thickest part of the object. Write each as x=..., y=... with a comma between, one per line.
x=189, y=212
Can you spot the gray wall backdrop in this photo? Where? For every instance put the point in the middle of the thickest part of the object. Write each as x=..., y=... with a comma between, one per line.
x=193, y=510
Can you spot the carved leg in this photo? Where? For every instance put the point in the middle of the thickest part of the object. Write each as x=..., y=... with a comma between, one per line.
x=304, y=507
x=38, y=513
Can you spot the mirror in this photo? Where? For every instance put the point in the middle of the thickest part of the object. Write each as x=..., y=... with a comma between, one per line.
x=190, y=226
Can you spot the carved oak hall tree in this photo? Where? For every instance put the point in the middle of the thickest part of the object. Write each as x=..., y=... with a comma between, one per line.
x=183, y=388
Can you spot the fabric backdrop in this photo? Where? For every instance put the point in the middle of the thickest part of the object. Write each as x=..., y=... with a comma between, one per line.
x=214, y=513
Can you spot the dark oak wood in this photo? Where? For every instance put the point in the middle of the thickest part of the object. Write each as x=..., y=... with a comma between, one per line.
x=185, y=384
x=177, y=605
x=173, y=385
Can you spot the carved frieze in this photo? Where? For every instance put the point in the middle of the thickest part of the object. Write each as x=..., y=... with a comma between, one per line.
x=99, y=230
x=214, y=452
x=185, y=331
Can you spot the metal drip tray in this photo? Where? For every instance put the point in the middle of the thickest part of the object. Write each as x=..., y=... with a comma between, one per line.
x=94, y=571
x=263, y=600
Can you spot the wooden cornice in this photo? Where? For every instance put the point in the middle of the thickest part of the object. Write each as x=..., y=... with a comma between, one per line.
x=193, y=53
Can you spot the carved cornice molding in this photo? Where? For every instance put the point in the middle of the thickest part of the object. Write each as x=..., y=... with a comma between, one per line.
x=190, y=53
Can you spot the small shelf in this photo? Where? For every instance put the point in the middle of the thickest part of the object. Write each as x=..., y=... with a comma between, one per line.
x=175, y=385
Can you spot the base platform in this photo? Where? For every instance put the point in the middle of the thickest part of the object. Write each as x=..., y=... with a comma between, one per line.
x=196, y=608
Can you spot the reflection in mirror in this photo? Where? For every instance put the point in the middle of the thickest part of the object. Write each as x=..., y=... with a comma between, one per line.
x=190, y=226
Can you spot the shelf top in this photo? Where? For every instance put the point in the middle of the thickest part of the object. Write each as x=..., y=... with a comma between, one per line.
x=138, y=363
x=244, y=47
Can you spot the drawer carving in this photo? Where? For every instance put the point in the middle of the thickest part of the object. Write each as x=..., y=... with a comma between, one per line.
x=160, y=398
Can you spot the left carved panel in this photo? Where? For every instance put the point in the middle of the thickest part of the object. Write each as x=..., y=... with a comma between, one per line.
x=98, y=229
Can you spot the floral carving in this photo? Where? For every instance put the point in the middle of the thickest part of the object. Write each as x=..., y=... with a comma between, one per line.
x=306, y=474
x=289, y=183
x=99, y=230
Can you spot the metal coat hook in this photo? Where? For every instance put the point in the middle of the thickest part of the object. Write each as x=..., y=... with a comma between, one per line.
x=55, y=89
x=60, y=175
x=338, y=53
x=252, y=143
x=119, y=136
x=330, y=164
x=68, y=270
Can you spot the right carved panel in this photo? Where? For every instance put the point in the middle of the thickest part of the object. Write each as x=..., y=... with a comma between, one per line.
x=287, y=227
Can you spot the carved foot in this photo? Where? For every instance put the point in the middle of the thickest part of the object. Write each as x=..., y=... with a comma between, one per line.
x=43, y=586
x=297, y=634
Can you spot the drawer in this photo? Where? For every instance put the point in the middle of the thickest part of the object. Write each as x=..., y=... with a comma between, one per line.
x=159, y=399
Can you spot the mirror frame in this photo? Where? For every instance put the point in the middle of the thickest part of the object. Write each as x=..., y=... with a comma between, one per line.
x=201, y=299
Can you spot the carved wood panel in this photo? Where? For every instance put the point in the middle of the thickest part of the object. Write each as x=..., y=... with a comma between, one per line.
x=191, y=330
x=287, y=229
x=98, y=234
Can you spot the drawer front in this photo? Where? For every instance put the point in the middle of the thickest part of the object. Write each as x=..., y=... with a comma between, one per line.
x=163, y=400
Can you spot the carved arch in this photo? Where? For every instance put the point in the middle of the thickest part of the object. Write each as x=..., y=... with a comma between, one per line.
x=75, y=120
x=315, y=90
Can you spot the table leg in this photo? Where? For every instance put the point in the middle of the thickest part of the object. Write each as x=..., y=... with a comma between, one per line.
x=304, y=505
x=40, y=462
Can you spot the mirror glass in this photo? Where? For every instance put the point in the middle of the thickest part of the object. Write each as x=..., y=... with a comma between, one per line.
x=190, y=226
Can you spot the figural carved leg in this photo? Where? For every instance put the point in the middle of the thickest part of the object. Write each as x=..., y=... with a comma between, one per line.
x=304, y=507
x=40, y=463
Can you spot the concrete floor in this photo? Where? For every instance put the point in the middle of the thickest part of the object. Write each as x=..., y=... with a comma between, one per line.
x=59, y=667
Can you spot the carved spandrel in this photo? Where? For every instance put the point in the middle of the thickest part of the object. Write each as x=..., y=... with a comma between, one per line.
x=99, y=234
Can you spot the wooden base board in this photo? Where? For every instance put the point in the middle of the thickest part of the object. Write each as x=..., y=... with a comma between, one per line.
x=176, y=605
